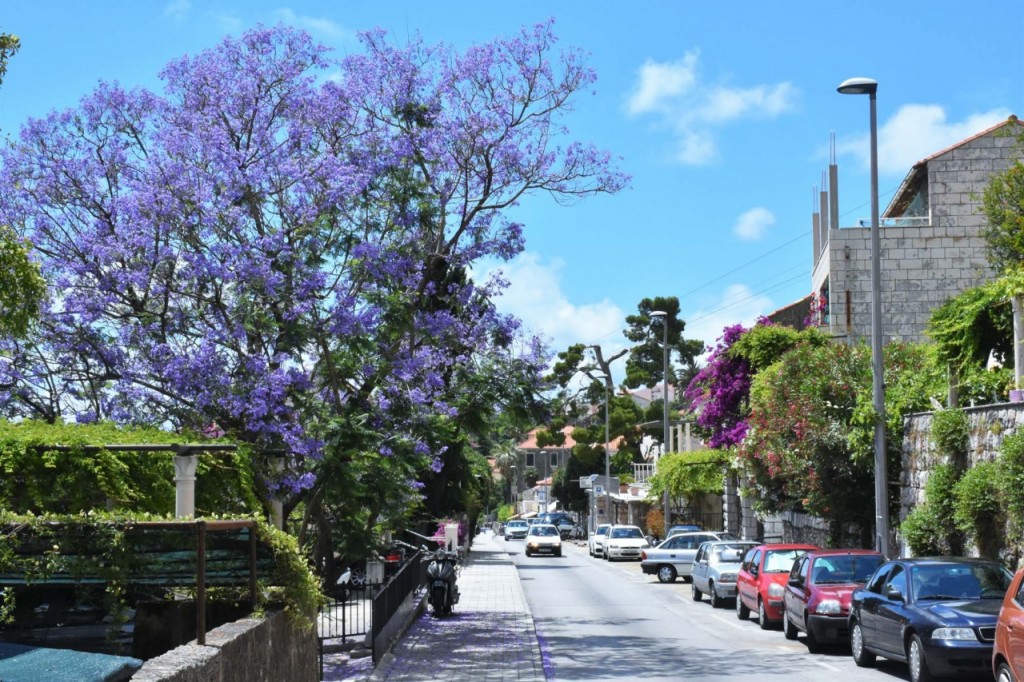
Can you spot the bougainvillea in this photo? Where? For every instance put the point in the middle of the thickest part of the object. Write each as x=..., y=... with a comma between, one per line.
x=718, y=393
x=280, y=244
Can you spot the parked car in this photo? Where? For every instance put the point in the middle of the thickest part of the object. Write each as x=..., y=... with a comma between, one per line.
x=516, y=529
x=595, y=543
x=1008, y=652
x=817, y=596
x=683, y=528
x=762, y=579
x=715, y=567
x=543, y=538
x=674, y=557
x=624, y=542
x=937, y=614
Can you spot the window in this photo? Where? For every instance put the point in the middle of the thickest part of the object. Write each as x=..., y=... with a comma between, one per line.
x=530, y=459
x=1019, y=598
x=897, y=580
x=554, y=459
x=799, y=570
x=875, y=584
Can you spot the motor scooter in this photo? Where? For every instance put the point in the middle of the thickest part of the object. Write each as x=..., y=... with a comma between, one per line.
x=441, y=573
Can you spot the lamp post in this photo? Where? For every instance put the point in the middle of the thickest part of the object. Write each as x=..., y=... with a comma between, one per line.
x=664, y=399
x=868, y=86
x=607, y=460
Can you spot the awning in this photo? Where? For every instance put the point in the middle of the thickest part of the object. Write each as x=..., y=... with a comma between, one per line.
x=553, y=506
x=527, y=515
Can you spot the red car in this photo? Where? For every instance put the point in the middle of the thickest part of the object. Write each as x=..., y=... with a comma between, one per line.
x=817, y=596
x=1008, y=652
x=762, y=580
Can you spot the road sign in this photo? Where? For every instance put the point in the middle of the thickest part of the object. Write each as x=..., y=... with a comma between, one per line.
x=599, y=490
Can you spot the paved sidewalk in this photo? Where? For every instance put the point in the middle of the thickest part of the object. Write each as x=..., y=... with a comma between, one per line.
x=490, y=636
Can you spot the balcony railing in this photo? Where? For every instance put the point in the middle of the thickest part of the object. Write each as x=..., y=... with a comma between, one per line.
x=642, y=473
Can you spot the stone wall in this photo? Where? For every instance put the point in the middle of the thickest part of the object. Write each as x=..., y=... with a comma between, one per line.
x=270, y=648
x=989, y=425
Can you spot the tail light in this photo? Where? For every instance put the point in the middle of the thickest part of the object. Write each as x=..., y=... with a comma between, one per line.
x=643, y=555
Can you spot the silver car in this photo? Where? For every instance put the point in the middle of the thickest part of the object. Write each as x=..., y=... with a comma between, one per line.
x=715, y=568
x=674, y=557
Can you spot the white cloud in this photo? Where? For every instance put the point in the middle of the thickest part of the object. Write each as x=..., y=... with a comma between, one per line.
x=662, y=82
x=315, y=25
x=177, y=10
x=692, y=109
x=737, y=304
x=915, y=132
x=535, y=296
x=752, y=225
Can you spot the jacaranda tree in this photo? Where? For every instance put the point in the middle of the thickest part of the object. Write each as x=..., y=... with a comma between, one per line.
x=279, y=244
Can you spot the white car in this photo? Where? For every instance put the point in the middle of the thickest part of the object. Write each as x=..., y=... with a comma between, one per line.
x=624, y=542
x=543, y=538
x=674, y=557
x=595, y=543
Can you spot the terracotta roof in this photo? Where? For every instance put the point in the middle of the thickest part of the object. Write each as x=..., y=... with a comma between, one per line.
x=531, y=440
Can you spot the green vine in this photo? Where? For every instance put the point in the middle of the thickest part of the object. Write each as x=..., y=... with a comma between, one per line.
x=57, y=468
x=687, y=474
x=92, y=548
x=977, y=508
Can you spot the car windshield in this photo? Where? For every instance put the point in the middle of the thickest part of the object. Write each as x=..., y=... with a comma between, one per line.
x=601, y=530
x=543, y=530
x=841, y=570
x=781, y=560
x=517, y=524
x=960, y=581
x=728, y=554
x=627, y=533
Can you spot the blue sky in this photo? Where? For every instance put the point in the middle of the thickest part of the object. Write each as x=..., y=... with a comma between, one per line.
x=721, y=112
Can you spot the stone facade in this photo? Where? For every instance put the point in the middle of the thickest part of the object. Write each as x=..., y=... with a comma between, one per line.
x=931, y=242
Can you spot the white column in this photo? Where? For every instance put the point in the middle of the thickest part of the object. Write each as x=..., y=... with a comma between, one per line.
x=185, y=485
x=276, y=505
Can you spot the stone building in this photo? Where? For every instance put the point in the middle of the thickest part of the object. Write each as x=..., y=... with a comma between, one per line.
x=932, y=246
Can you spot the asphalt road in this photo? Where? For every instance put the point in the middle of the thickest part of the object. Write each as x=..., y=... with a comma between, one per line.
x=601, y=621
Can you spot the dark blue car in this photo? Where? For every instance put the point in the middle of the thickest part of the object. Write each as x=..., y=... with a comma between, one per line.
x=937, y=614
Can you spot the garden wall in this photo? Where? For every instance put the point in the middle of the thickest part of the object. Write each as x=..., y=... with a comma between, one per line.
x=989, y=424
x=270, y=648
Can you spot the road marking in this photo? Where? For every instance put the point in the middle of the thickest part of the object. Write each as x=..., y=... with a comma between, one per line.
x=730, y=623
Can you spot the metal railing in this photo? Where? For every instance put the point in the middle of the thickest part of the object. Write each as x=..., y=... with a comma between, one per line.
x=342, y=620
x=387, y=601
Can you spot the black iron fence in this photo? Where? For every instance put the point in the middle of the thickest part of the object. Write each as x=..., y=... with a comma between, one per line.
x=346, y=619
x=409, y=577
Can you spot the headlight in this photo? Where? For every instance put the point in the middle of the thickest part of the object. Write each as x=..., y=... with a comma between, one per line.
x=829, y=607
x=727, y=578
x=955, y=633
x=532, y=543
x=612, y=546
x=776, y=590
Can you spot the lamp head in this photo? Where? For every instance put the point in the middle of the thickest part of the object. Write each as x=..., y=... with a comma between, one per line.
x=858, y=86
x=659, y=313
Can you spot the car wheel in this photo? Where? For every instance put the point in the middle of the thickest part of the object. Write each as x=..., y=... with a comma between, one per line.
x=762, y=615
x=694, y=592
x=666, y=574
x=558, y=552
x=1004, y=674
x=716, y=601
x=915, y=658
x=861, y=656
x=742, y=612
x=788, y=629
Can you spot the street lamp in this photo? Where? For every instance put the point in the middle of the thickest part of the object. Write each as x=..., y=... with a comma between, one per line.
x=664, y=448
x=607, y=460
x=868, y=86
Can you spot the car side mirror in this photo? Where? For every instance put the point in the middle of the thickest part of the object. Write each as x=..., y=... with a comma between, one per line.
x=893, y=594
x=795, y=582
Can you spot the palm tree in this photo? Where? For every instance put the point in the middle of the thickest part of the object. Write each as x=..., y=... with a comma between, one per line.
x=505, y=458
